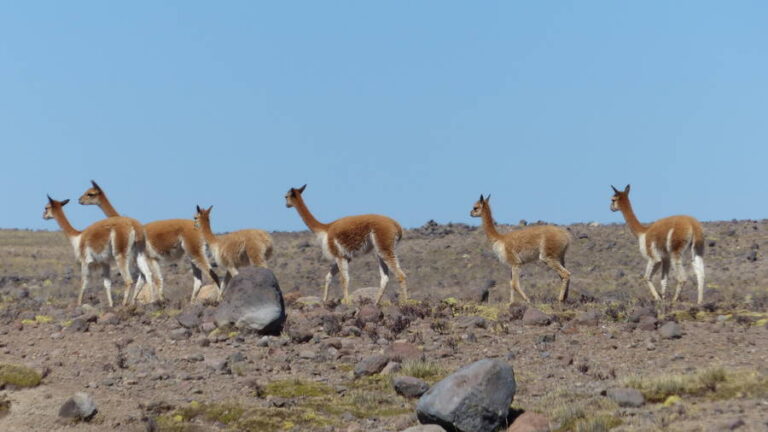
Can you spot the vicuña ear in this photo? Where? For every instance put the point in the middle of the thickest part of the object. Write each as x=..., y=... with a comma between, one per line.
x=209, y=209
x=614, y=189
x=50, y=200
x=197, y=208
x=95, y=185
x=488, y=198
x=626, y=189
x=63, y=203
x=481, y=198
x=301, y=189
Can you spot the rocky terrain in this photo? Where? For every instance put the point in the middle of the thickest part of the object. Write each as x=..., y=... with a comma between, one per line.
x=608, y=359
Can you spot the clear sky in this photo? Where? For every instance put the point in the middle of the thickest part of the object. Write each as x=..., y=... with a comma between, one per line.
x=404, y=108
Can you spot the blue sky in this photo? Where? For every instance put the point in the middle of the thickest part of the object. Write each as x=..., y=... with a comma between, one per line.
x=409, y=109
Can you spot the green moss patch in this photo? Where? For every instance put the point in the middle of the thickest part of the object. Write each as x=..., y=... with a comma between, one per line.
x=715, y=384
x=18, y=376
x=313, y=405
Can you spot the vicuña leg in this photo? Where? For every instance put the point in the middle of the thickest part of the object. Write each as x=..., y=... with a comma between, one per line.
x=515, y=285
x=84, y=274
x=698, y=269
x=665, y=266
x=157, y=274
x=197, y=274
x=228, y=278
x=343, y=264
x=123, y=265
x=334, y=270
x=565, y=276
x=384, y=273
x=394, y=265
x=680, y=275
x=650, y=269
x=107, y=282
x=148, y=275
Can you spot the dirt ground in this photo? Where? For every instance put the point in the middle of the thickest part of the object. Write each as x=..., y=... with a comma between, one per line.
x=146, y=373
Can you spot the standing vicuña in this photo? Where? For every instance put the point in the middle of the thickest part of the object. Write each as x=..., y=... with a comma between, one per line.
x=350, y=236
x=662, y=243
x=546, y=243
x=236, y=249
x=167, y=241
x=118, y=239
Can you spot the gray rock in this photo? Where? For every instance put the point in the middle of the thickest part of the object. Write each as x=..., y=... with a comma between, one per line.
x=409, y=386
x=371, y=365
x=135, y=355
x=588, y=318
x=627, y=397
x=299, y=334
x=475, y=398
x=180, y=334
x=424, y=428
x=368, y=314
x=191, y=316
x=253, y=300
x=79, y=407
x=391, y=368
x=671, y=330
x=536, y=317
x=647, y=323
x=79, y=325
x=637, y=314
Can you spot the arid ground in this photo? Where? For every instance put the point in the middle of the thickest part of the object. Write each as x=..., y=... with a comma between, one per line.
x=146, y=372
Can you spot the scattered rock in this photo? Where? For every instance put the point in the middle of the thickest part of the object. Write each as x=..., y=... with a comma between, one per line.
x=402, y=351
x=191, y=316
x=638, y=313
x=529, y=421
x=588, y=318
x=368, y=293
x=299, y=334
x=79, y=407
x=627, y=397
x=253, y=300
x=536, y=317
x=180, y=334
x=331, y=324
x=80, y=325
x=671, y=330
x=409, y=387
x=368, y=314
x=371, y=365
x=391, y=368
x=474, y=398
x=217, y=364
x=424, y=428
x=647, y=323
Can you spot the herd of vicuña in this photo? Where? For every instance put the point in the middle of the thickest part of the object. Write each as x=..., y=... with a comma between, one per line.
x=131, y=245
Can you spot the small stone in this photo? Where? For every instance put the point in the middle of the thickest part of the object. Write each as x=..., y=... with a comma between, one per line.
x=79, y=325
x=307, y=354
x=208, y=327
x=180, y=334
x=391, y=368
x=589, y=318
x=299, y=334
x=371, y=365
x=218, y=364
x=79, y=407
x=409, y=386
x=647, y=323
x=529, y=421
x=536, y=317
x=626, y=397
x=369, y=314
x=671, y=330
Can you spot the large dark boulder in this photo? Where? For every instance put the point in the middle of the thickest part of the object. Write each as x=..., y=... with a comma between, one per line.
x=475, y=398
x=253, y=301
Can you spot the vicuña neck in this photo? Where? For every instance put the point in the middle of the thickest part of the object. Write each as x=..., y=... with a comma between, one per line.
x=313, y=224
x=64, y=224
x=106, y=207
x=488, y=226
x=629, y=216
x=205, y=227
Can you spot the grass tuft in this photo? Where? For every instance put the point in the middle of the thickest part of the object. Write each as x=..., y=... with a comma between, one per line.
x=429, y=371
x=715, y=384
x=18, y=376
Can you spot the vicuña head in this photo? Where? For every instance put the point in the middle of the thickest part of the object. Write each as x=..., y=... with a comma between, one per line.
x=620, y=199
x=92, y=196
x=477, y=209
x=292, y=195
x=52, y=204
